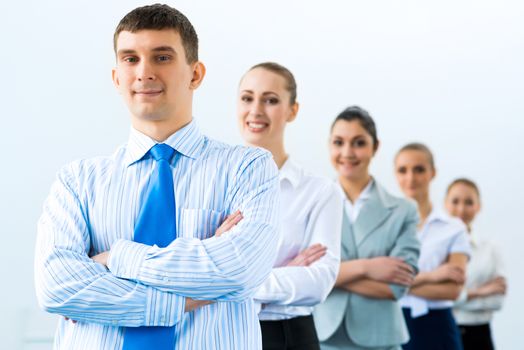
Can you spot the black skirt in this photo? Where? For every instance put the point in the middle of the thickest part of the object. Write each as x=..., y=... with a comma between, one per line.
x=436, y=330
x=476, y=337
x=293, y=334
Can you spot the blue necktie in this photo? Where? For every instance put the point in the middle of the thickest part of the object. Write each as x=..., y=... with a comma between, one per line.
x=156, y=225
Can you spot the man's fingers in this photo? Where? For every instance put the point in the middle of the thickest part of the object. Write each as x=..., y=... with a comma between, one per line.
x=229, y=223
x=231, y=217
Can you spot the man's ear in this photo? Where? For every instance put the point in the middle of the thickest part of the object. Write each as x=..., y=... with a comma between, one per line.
x=114, y=77
x=199, y=71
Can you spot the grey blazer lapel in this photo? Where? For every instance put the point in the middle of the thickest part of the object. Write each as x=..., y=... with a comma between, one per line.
x=371, y=216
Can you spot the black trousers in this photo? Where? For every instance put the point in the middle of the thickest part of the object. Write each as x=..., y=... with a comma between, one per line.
x=294, y=334
x=476, y=337
x=436, y=330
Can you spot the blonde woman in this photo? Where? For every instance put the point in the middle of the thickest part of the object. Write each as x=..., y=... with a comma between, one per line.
x=308, y=252
x=485, y=286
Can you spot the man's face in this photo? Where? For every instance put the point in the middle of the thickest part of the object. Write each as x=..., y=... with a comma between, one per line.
x=153, y=76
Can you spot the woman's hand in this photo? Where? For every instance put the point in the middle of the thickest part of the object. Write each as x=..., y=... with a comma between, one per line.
x=493, y=287
x=389, y=270
x=446, y=273
x=229, y=223
x=309, y=255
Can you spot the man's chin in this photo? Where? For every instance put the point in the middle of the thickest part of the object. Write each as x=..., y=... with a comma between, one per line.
x=148, y=116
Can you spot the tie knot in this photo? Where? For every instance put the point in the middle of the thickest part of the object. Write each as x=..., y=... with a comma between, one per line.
x=162, y=151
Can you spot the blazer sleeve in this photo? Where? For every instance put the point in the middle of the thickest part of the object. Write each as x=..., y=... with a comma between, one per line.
x=407, y=245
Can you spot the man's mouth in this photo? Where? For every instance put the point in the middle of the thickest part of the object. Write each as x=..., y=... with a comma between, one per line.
x=149, y=92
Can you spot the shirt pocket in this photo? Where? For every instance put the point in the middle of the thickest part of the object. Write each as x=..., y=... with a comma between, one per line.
x=198, y=223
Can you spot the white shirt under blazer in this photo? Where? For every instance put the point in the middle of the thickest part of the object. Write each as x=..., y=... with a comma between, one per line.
x=310, y=212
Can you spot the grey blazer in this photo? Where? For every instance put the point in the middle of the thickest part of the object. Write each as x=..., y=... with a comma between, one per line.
x=386, y=226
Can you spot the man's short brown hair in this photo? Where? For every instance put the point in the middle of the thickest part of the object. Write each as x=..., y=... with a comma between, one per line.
x=158, y=17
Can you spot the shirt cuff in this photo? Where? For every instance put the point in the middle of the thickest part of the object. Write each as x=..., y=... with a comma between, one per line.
x=163, y=308
x=463, y=296
x=126, y=257
x=398, y=290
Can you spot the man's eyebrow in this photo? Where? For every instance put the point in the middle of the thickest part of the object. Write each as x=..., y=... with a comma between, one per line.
x=156, y=49
x=164, y=49
x=125, y=52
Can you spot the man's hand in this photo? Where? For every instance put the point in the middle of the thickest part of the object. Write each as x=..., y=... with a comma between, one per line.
x=101, y=258
x=389, y=270
x=192, y=304
x=229, y=223
x=309, y=255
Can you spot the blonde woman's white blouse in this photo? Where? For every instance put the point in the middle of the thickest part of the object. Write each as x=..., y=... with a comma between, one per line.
x=311, y=212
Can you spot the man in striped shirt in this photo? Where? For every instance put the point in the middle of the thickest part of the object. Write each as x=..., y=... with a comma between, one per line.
x=87, y=266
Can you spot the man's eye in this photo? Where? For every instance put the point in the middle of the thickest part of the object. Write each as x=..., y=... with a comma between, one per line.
x=164, y=58
x=130, y=59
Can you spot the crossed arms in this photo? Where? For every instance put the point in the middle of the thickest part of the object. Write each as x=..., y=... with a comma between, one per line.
x=149, y=285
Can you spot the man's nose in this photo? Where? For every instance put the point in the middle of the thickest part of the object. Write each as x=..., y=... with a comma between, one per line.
x=145, y=71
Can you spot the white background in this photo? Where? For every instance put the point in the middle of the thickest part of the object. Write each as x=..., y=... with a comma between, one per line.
x=447, y=73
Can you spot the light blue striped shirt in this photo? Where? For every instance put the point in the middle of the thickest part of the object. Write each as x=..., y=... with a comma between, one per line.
x=93, y=206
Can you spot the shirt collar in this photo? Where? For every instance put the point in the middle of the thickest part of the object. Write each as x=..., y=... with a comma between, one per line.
x=437, y=215
x=187, y=141
x=364, y=195
x=290, y=172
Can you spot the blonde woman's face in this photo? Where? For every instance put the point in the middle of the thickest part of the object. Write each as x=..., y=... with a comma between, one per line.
x=263, y=107
x=463, y=202
x=414, y=173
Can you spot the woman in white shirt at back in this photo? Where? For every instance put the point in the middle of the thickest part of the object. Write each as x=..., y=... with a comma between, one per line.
x=443, y=256
x=308, y=255
x=485, y=285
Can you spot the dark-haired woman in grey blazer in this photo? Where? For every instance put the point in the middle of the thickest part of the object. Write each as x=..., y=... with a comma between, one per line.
x=379, y=247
